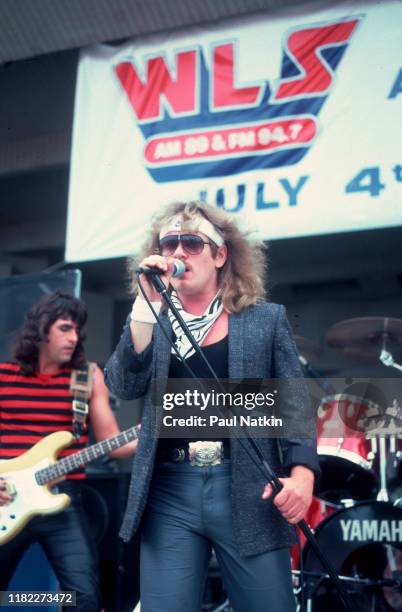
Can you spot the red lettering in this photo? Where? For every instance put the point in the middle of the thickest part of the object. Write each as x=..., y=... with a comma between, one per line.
x=225, y=93
x=145, y=97
x=304, y=46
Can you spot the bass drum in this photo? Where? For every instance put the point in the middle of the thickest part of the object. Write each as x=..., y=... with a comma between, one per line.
x=362, y=542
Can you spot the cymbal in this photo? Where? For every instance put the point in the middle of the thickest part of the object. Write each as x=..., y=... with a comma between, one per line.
x=307, y=348
x=365, y=337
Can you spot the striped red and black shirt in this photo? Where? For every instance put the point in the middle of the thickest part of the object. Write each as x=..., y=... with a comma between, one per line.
x=32, y=407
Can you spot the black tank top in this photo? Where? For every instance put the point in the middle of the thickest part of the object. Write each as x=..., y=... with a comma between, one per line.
x=217, y=355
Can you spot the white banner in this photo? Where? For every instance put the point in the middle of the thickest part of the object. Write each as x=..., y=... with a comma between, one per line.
x=292, y=122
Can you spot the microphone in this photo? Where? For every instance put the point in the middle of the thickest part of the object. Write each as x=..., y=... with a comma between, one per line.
x=179, y=269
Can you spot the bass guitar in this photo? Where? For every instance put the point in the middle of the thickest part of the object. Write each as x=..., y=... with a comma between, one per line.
x=30, y=476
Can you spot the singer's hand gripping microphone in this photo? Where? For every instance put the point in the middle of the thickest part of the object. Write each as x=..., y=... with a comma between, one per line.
x=179, y=269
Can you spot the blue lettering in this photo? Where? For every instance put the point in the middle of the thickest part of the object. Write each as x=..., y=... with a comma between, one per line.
x=292, y=192
x=398, y=173
x=261, y=204
x=241, y=193
x=367, y=179
x=396, y=88
x=225, y=199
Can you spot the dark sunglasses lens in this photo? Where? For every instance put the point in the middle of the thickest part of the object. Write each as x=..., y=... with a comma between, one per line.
x=168, y=245
x=192, y=244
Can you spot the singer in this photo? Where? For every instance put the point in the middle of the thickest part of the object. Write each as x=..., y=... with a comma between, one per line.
x=183, y=506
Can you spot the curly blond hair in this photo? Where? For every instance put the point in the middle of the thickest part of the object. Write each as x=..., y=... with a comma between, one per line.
x=242, y=278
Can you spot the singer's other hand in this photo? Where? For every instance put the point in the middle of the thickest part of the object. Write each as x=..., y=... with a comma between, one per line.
x=295, y=498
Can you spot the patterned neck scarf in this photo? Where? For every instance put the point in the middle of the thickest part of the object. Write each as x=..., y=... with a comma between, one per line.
x=199, y=325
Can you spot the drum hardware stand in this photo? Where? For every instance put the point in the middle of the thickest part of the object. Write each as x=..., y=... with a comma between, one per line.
x=395, y=583
x=259, y=459
x=385, y=356
x=387, y=359
x=393, y=468
x=316, y=578
x=383, y=492
x=374, y=450
x=383, y=495
x=310, y=586
x=379, y=441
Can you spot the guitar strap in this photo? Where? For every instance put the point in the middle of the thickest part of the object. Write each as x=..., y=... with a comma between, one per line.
x=81, y=385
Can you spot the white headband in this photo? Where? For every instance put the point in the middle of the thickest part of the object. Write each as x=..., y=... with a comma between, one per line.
x=197, y=224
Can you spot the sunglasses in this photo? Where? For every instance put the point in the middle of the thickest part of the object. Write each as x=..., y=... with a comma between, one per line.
x=191, y=243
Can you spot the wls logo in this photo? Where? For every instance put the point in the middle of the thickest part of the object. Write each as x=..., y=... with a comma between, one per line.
x=199, y=122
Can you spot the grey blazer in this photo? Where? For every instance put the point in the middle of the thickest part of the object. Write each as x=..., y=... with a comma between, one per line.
x=261, y=345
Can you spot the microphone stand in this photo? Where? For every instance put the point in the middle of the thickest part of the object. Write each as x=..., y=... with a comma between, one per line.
x=266, y=468
x=322, y=382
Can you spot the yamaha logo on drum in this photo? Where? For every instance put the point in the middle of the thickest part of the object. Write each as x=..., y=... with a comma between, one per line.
x=371, y=530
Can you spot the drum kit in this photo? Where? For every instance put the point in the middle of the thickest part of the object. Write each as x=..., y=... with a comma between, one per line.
x=356, y=513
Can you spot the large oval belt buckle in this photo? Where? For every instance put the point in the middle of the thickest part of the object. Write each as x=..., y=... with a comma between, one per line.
x=205, y=453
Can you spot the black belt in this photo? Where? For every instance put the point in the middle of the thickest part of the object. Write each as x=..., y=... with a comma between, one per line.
x=198, y=453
